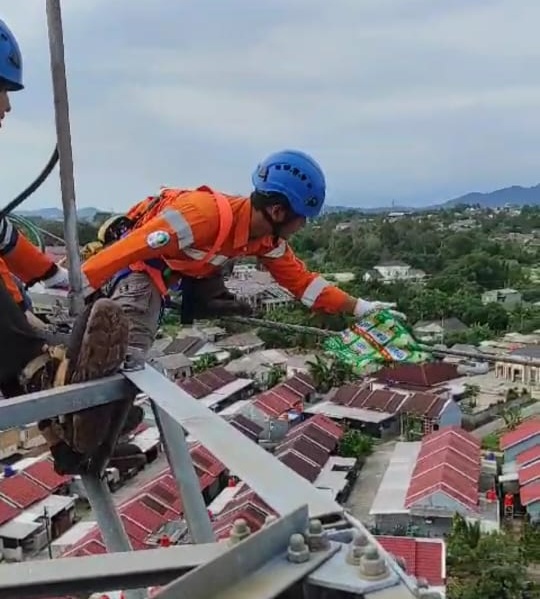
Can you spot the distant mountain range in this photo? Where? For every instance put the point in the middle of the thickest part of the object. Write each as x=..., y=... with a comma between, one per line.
x=84, y=214
x=513, y=196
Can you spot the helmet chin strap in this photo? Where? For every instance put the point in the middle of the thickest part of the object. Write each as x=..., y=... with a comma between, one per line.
x=277, y=227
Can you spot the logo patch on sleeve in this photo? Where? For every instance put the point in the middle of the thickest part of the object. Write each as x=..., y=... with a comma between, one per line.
x=157, y=239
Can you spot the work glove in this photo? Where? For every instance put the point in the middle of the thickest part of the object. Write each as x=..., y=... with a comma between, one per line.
x=59, y=280
x=365, y=307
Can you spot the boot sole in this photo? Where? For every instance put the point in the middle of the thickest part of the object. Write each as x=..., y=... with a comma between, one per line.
x=98, y=349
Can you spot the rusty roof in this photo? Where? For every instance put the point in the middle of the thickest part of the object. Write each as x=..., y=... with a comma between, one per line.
x=422, y=375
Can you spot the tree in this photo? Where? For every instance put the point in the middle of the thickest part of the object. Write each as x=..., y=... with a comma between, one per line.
x=355, y=444
x=512, y=417
x=483, y=566
x=321, y=373
x=470, y=395
x=275, y=375
x=205, y=362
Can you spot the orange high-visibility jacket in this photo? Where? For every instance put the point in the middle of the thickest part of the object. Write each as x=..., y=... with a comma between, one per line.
x=22, y=258
x=183, y=228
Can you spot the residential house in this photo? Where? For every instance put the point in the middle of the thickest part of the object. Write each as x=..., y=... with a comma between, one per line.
x=157, y=504
x=30, y=530
x=520, y=374
x=394, y=270
x=523, y=437
x=428, y=482
x=245, y=343
x=417, y=376
x=217, y=388
x=259, y=364
x=284, y=402
x=435, y=331
x=508, y=298
x=258, y=289
x=173, y=366
x=384, y=412
x=530, y=499
x=195, y=348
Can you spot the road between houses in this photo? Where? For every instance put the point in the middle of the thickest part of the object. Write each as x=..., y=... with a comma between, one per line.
x=367, y=484
x=496, y=425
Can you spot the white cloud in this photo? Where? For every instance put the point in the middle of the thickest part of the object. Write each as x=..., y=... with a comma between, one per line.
x=415, y=100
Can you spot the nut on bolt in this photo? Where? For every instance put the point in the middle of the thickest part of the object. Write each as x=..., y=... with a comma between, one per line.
x=239, y=531
x=316, y=536
x=298, y=551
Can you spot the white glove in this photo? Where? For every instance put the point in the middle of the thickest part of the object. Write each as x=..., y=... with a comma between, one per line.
x=364, y=307
x=60, y=279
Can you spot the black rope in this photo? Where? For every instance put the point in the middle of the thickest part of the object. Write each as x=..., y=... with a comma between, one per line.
x=34, y=186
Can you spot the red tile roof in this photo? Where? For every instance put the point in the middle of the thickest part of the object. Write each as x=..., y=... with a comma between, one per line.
x=362, y=395
x=529, y=456
x=42, y=472
x=529, y=474
x=421, y=375
x=22, y=491
x=303, y=445
x=206, y=382
x=449, y=463
x=206, y=461
x=530, y=494
x=7, y=512
x=276, y=404
x=427, y=405
x=424, y=558
x=246, y=426
x=320, y=429
x=246, y=504
x=526, y=430
x=300, y=464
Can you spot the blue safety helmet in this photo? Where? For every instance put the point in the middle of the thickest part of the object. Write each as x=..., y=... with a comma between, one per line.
x=296, y=176
x=11, y=71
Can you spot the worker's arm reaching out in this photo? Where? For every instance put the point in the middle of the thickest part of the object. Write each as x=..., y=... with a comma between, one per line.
x=26, y=261
x=313, y=290
x=165, y=236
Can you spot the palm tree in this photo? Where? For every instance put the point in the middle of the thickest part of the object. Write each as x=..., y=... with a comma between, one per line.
x=205, y=362
x=321, y=373
x=275, y=375
x=512, y=417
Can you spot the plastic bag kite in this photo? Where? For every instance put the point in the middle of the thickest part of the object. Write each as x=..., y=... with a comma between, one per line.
x=375, y=341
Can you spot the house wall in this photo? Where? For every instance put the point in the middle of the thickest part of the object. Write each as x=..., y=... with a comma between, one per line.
x=451, y=415
x=533, y=510
x=11, y=553
x=518, y=374
x=511, y=453
x=9, y=442
x=433, y=527
x=30, y=437
x=438, y=502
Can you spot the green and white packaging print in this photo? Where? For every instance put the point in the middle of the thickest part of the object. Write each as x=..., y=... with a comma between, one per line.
x=375, y=341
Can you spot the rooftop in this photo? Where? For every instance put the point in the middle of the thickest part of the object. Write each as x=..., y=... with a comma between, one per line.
x=526, y=430
x=449, y=463
x=422, y=375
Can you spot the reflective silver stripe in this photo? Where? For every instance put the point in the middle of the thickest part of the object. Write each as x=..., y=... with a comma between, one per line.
x=313, y=290
x=217, y=260
x=180, y=226
x=6, y=232
x=277, y=252
x=87, y=289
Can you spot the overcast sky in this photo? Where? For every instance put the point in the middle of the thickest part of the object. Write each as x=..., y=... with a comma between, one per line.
x=408, y=100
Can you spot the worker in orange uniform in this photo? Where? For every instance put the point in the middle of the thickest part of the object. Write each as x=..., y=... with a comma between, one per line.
x=29, y=360
x=194, y=233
